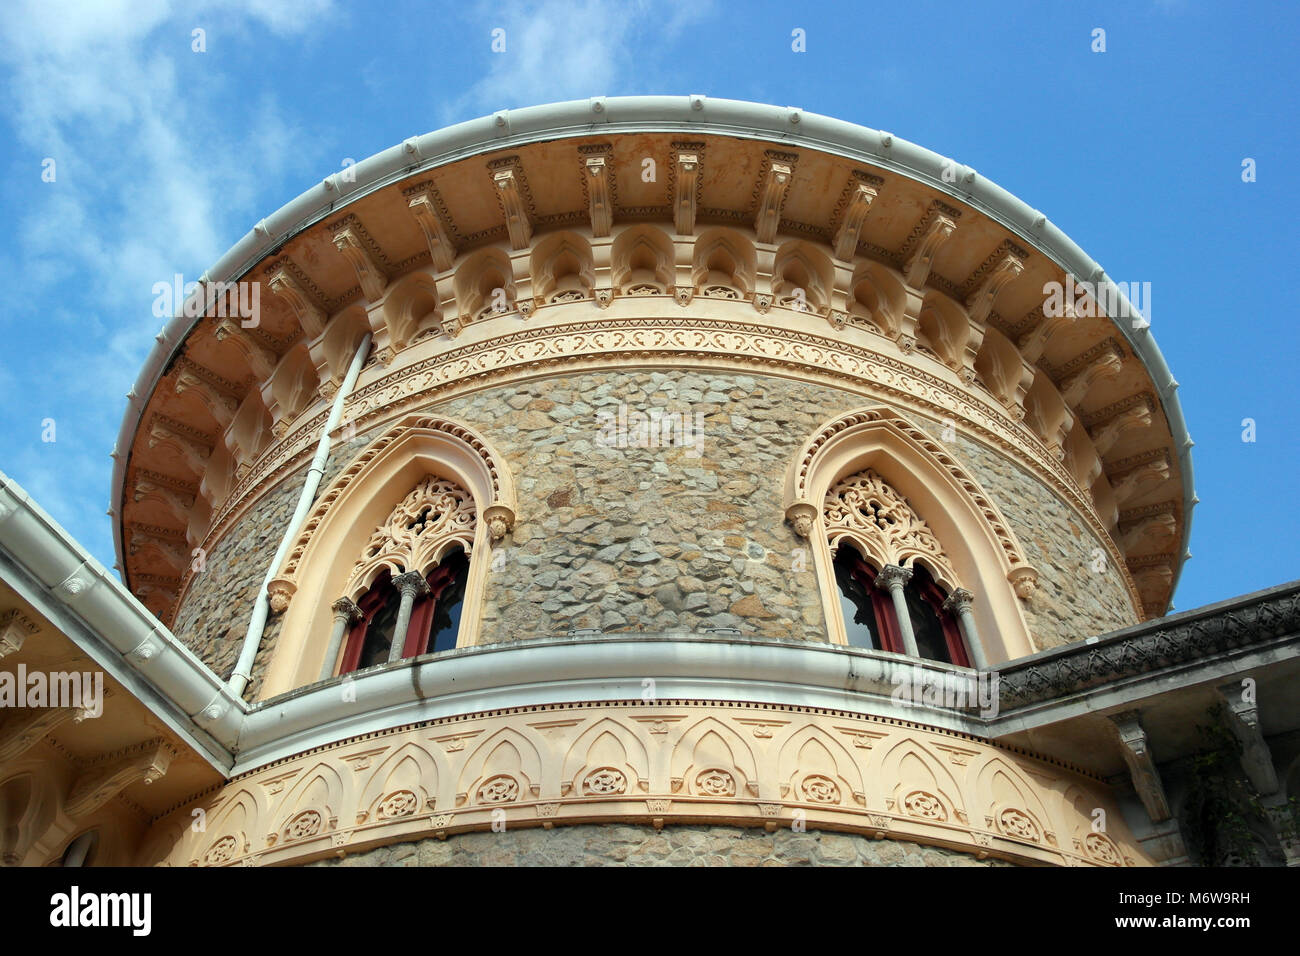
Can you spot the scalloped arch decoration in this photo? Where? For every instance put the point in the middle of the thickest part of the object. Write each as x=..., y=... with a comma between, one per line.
x=797, y=478
x=499, y=479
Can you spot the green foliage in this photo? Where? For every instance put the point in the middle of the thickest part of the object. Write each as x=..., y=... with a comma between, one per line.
x=1224, y=820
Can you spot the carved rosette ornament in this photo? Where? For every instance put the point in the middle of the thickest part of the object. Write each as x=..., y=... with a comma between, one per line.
x=864, y=509
x=604, y=781
x=820, y=789
x=436, y=514
x=1018, y=824
x=927, y=806
x=304, y=825
x=222, y=851
x=1102, y=850
x=402, y=803
x=502, y=788
x=716, y=782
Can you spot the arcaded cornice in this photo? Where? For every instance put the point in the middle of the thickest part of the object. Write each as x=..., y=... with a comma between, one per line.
x=338, y=259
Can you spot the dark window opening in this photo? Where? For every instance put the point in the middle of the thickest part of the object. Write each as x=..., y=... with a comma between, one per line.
x=434, y=623
x=435, y=620
x=937, y=636
x=870, y=620
x=379, y=608
x=868, y=612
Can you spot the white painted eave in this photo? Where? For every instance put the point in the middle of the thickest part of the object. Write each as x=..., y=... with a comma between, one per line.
x=82, y=598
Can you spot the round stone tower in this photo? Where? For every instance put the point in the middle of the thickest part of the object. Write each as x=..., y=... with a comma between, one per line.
x=650, y=478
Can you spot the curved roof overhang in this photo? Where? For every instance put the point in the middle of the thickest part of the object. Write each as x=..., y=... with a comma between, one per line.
x=656, y=114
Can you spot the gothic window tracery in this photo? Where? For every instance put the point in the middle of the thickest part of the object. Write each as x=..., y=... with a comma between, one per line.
x=880, y=544
x=415, y=569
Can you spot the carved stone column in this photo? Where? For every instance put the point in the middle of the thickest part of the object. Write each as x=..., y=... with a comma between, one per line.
x=892, y=578
x=346, y=614
x=411, y=585
x=959, y=603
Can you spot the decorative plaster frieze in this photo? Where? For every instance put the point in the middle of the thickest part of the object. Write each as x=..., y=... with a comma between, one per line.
x=1157, y=645
x=900, y=787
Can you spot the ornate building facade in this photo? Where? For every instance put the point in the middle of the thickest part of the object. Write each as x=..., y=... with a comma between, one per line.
x=635, y=480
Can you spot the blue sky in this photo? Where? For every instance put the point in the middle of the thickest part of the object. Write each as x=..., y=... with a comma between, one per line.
x=165, y=157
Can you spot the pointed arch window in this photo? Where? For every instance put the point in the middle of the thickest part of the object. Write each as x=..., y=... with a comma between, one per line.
x=838, y=494
x=889, y=599
x=417, y=566
x=425, y=489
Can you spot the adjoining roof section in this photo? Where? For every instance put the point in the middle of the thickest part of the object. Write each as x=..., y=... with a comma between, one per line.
x=658, y=114
x=54, y=574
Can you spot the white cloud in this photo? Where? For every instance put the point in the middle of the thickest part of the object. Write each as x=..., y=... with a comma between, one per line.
x=156, y=174
x=571, y=49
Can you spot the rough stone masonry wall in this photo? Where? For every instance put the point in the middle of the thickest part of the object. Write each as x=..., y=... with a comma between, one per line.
x=614, y=845
x=213, y=616
x=1080, y=592
x=654, y=539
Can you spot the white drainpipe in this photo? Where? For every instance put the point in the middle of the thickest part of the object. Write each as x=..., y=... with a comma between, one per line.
x=257, y=624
